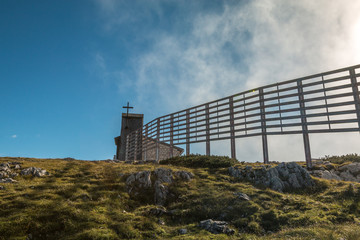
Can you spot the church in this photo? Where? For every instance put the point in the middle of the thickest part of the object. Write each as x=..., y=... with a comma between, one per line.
x=131, y=122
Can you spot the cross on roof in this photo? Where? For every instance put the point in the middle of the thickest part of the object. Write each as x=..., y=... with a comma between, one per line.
x=127, y=109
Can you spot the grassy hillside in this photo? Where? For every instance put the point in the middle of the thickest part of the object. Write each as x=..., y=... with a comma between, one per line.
x=88, y=200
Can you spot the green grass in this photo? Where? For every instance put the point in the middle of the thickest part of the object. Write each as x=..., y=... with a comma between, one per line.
x=88, y=200
x=348, y=158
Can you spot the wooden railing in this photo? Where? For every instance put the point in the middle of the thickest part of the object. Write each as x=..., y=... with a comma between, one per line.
x=321, y=103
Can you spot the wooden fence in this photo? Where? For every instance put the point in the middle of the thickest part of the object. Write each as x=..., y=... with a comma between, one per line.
x=321, y=103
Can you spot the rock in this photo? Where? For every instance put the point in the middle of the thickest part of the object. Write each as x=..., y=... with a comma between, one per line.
x=161, y=193
x=183, y=231
x=4, y=167
x=17, y=166
x=325, y=174
x=161, y=222
x=186, y=176
x=138, y=180
x=283, y=177
x=8, y=180
x=157, y=211
x=347, y=176
x=14, y=163
x=12, y=175
x=216, y=227
x=34, y=171
x=164, y=175
x=353, y=168
x=2, y=188
x=158, y=181
x=3, y=174
x=242, y=196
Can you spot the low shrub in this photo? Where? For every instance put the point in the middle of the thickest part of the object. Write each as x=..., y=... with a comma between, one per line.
x=200, y=161
x=342, y=159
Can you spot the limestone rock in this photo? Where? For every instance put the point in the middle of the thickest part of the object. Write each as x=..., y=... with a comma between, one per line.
x=186, y=176
x=34, y=171
x=183, y=231
x=136, y=183
x=353, y=168
x=3, y=174
x=216, y=227
x=12, y=175
x=4, y=167
x=161, y=193
x=347, y=176
x=164, y=175
x=280, y=178
x=8, y=180
x=325, y=174
x=242, y=196
x=157, y=211
x=139, y=180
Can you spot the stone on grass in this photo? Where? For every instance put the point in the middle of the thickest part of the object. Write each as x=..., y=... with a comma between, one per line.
x=34, y=171
x=186, y=176
x=183, y=231
x=284, y=176
x=242, y=196
x=3, y=174
x=157, y=211
x=216, y=227
x=8, y=180
x=138, y=182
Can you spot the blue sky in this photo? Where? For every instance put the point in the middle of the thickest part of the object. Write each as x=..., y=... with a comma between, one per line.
x=68, y=67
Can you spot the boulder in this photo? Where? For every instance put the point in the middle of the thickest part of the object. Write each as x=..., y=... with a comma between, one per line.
x=4, y=167
x=161, y=192
x=183, y=231
x=216, y=227
x=164, y=175
x=136, y=183
x=284, y=176
x=186, y=176
x=3, y=174
x=8, y=180
x=242, y=196
x=353, y=168
x=347, y=176
x=34, y=171
x=2, y=188
x=157, y=211
x=325, y=174
x=139, y=181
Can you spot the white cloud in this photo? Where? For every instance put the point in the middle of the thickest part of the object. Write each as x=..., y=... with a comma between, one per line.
x=246, y=46
x=14, y=136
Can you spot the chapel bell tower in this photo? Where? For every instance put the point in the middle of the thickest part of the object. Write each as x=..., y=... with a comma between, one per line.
x=129, y=123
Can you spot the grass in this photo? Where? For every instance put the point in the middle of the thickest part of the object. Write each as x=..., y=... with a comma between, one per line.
x=88, y=200
x=348, y=158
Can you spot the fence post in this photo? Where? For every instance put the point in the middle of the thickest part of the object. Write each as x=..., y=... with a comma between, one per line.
x=355, y=89
x=263, y=127
x=187, y=132
x=126, y=148
x=171, y=154
x=304, y=125
x=232, y=128
x=135, y=145
x=145, y=142
x=157, y=140
x=207, y=120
